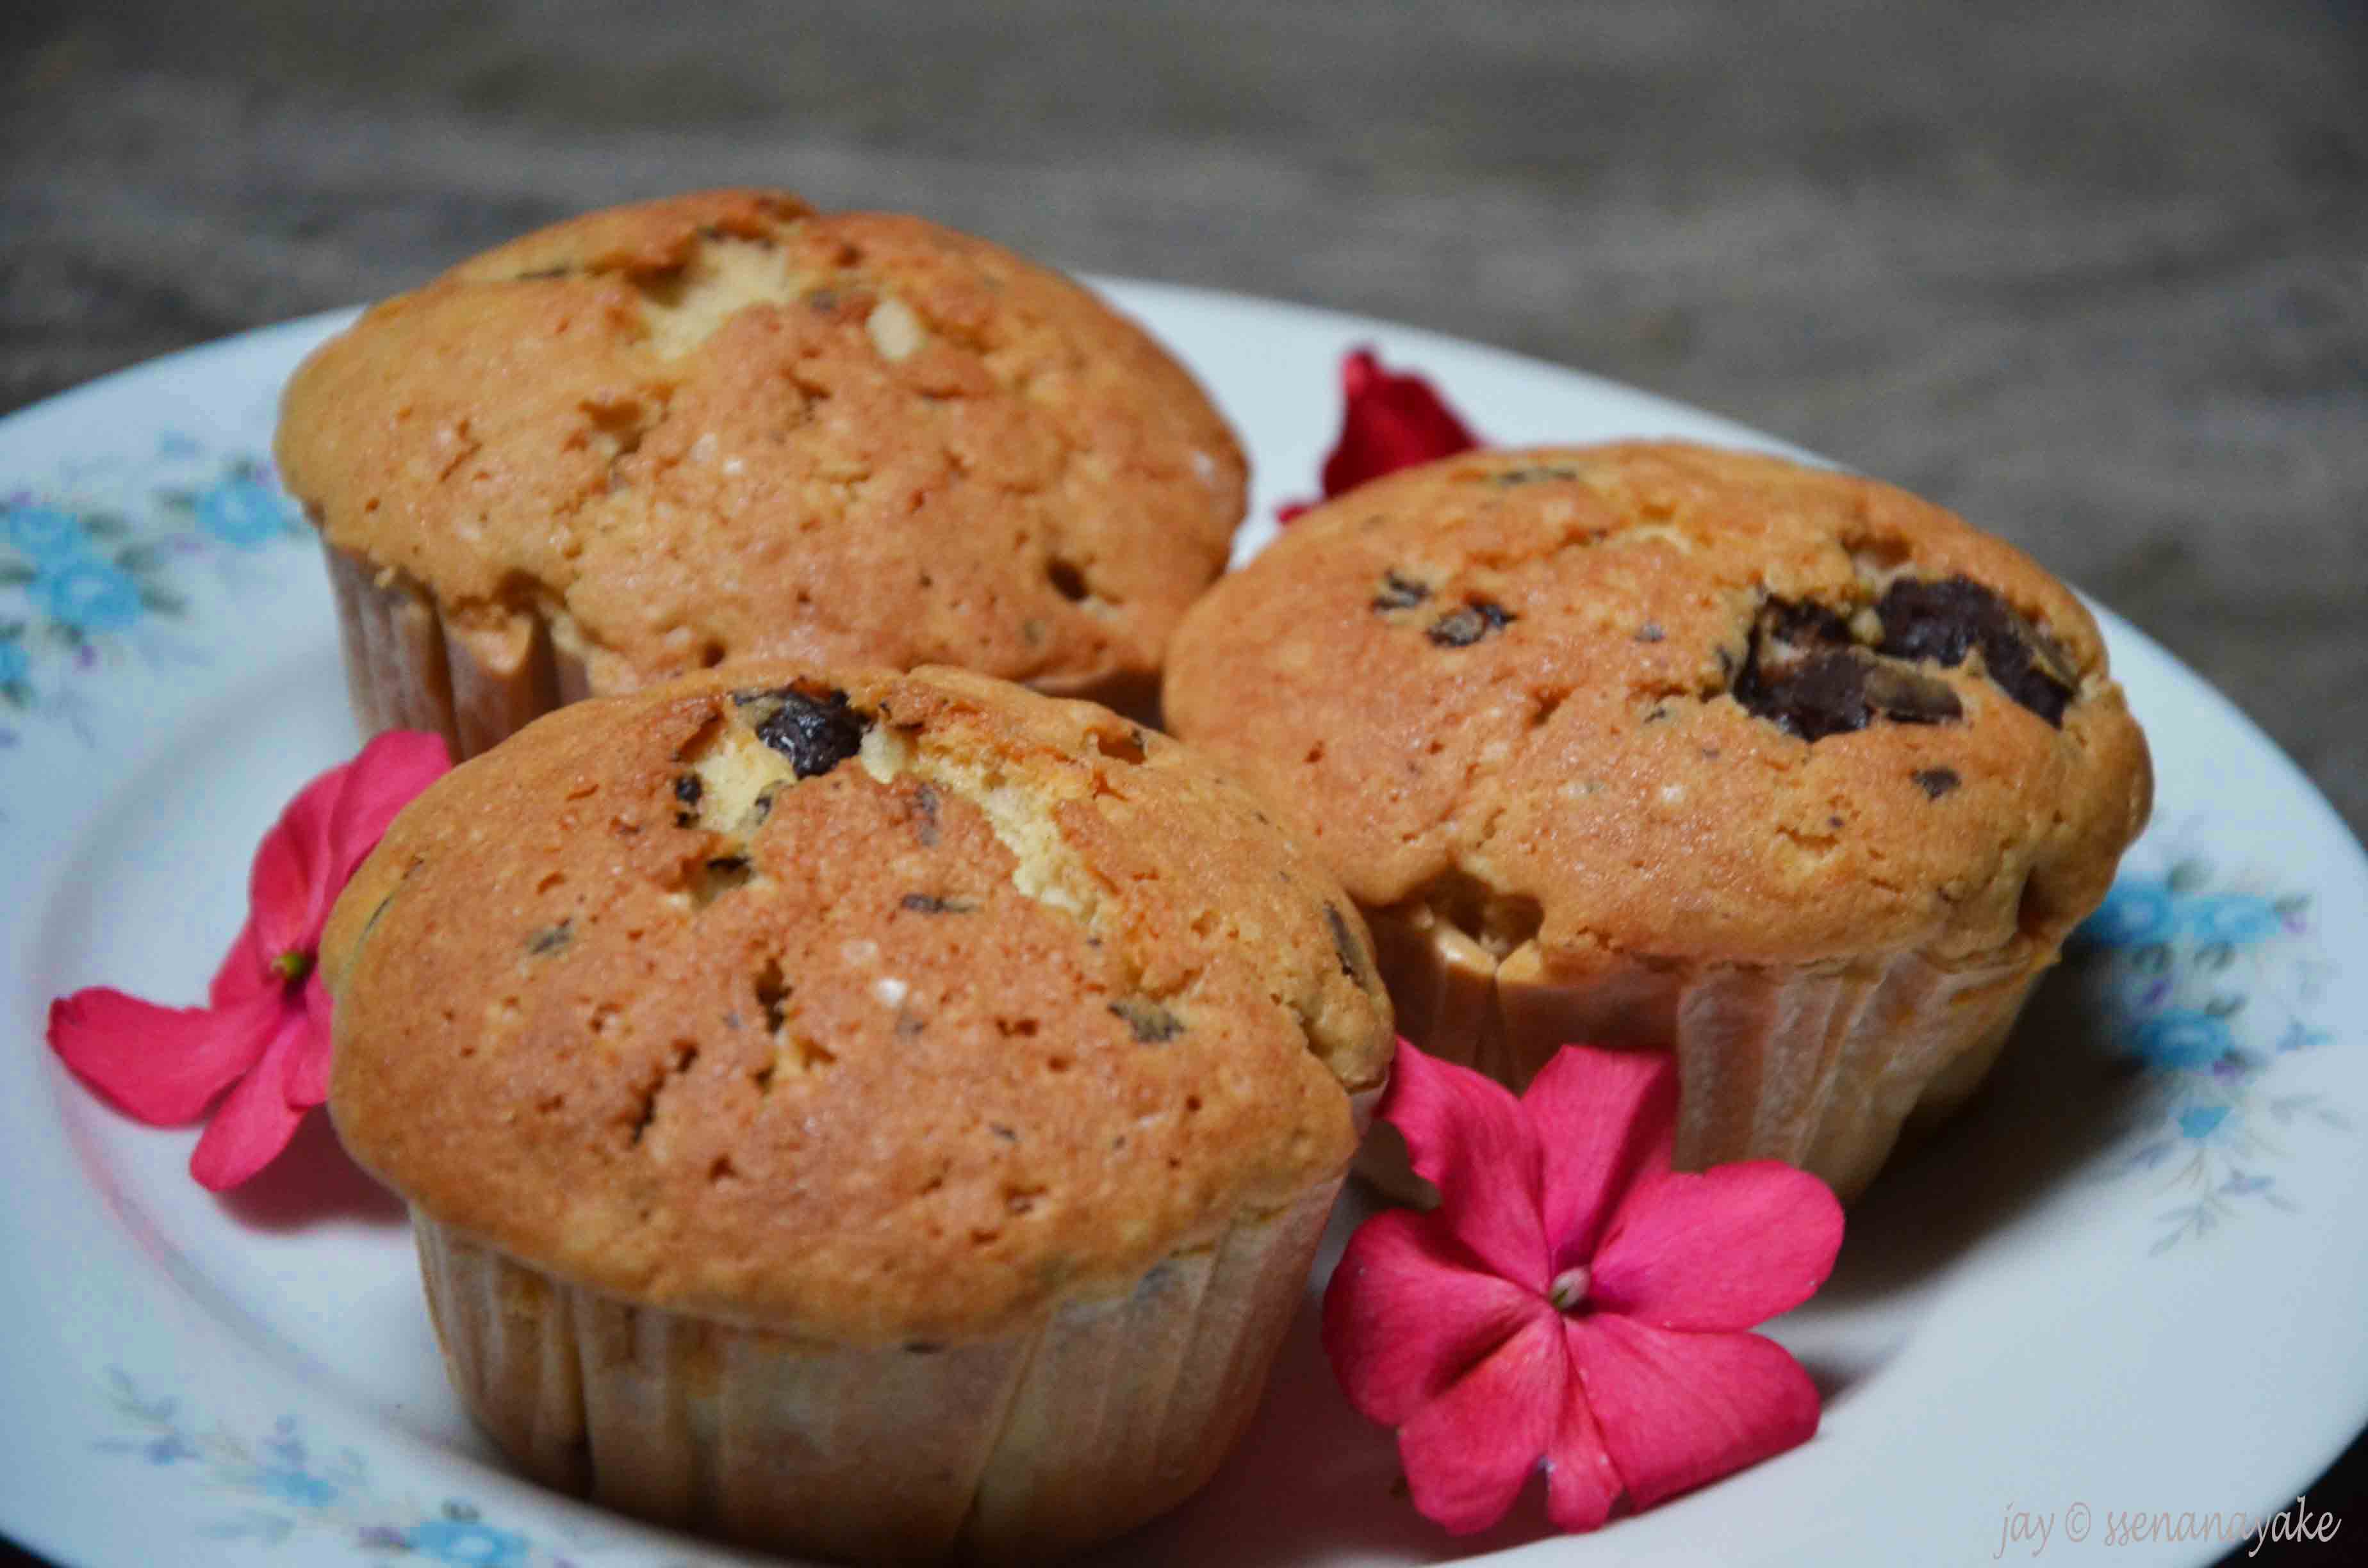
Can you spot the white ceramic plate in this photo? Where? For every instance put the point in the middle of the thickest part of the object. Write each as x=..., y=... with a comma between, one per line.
x=2130, y=1283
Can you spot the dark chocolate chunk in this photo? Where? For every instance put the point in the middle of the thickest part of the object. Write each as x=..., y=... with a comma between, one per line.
x=1910, y=697
x=1946, y=620
x=1152, y=1024
x=1462, y=628
x=1835, y=690
x=815, y=730
x=930, y=904
x=550, y=940
x=1936, y=781
x=686, y=789
x=1807, y=675
x=1400, y=593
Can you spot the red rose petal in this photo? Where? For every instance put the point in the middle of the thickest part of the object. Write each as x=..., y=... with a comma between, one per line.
x=1724, y=1249
x=1470, y=1138
x=161, y=1065
x=1468, y=1452
x=1604, y=1118
x=1406, y=1315
x=257, y=1119
x=1389, y=420
x=1677, y=1410
x=1392, y=420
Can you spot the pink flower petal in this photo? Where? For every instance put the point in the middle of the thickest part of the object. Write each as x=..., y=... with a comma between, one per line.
x=1406, y=1315
x=1470, y=1138
x=257, y=1119
x=1604, y=1118
x=161, y=1065
x=388, y=775
x=245, y=969
x=285, y=889
x=1724, y=1249
x=1468, y=1452
x=310, y=852
x=308, y=1082
x=1677, y=1410
x=1582, y=1484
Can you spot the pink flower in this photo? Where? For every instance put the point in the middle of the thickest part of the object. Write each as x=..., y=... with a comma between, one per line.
x=1572, y=1299
x=1388, y=421
x=266, y=1028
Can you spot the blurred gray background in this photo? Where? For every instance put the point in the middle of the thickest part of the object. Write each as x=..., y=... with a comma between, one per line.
x=2094, y=274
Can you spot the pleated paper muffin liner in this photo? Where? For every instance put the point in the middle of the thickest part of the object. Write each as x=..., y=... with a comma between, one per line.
x=1045, y=1440
x=410, y=666
x=1818, y=1065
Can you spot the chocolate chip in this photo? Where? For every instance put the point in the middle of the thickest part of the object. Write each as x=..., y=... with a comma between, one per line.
x=925, y=816
x=1650, y=632
x=1462, y=628
x=1400, y=593
x=550, y=940
x=1152, y=1024
x=1936, y=781
x=1537, y=475
x=815, y=730
x=930, y=903
x=1946, y=619
x=687, y=789
x=544, y=274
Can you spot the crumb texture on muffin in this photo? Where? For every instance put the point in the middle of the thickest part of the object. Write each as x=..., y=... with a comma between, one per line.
x=868, y=1007
x=725, y=425
x=1594, y=704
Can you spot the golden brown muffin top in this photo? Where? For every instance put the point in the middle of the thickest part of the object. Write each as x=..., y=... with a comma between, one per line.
x=1662, y=700
x=725, y=425
x=869, y=1008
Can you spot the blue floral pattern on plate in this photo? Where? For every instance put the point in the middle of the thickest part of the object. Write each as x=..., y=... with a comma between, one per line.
x=2208, y=980
x=96, y=569
x=286, y=1488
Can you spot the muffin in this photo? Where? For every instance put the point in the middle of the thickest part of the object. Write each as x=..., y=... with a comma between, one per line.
x=1672, y=748
x=878, y=1116
x=725, y=425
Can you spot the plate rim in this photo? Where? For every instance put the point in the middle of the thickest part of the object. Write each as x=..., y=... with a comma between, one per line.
x=1130, y=295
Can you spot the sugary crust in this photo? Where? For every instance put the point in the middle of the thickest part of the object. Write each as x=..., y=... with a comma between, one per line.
x=999, y=1012
x=1581, y=781
x=724, y=426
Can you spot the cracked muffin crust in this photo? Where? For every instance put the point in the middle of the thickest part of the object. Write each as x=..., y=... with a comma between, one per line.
x=726, y=426
x=1663, y=745
x=967, y=1073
